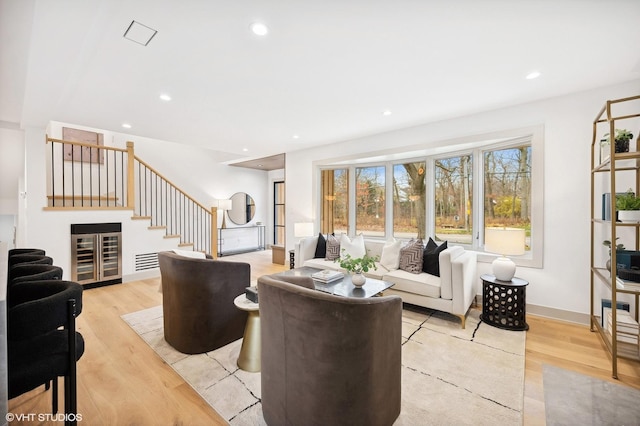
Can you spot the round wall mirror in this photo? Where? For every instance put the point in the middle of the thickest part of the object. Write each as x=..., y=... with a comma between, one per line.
x=243, y=208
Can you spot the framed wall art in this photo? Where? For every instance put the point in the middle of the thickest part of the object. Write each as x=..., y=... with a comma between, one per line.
x=82, y=153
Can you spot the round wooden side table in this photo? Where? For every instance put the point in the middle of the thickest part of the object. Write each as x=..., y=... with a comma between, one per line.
x=249, y=358
x=504, y=303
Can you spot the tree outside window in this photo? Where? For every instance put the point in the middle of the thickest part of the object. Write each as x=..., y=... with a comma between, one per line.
x=409, y=192
x=507, y=189
x=453, y=199
x=370, y=201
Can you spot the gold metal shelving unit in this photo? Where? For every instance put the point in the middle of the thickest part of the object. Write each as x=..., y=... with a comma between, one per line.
x=628, y=162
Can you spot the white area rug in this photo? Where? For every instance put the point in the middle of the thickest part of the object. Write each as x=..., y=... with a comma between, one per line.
x=450, y=376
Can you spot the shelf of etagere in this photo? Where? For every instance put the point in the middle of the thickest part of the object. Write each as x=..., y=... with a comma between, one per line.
x=624, y=349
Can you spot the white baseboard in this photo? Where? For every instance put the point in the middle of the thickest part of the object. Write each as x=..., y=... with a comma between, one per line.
x=142, y=275
x=553, y=313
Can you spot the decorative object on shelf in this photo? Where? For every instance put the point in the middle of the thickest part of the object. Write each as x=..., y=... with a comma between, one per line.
x=622, y=138
x=224, y=205
x=628, y=206
x=357, y=266
x=605, y=150
x=504, y=241
x=618, y=247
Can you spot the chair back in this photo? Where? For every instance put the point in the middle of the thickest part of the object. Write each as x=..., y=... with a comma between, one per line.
x=197, y=301
x=328, y=359
x=26, y=272
x=40, y=307
x=33, y=259
x=17, y=251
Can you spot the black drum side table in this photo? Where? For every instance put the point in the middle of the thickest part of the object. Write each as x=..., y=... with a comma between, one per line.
x=292, y=259
x=504, y=303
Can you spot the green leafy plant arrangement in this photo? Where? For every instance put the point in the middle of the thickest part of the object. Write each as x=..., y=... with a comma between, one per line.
x=627, y=201
x=622, y=138
x=608, y=244
x=357, y=265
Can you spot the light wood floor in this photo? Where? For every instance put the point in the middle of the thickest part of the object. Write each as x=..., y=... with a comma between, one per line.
x=122, y=381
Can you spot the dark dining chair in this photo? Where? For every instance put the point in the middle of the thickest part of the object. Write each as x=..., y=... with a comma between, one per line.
x=27, y=259
x=42, y=341
x=31, y=272
x=17, y=251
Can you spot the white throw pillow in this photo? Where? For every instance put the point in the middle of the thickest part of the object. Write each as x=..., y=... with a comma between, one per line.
x=354, y=247
x=192, y=254
x=390, y=258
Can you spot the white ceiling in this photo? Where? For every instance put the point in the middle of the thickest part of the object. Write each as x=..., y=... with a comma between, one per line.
x=326, y=71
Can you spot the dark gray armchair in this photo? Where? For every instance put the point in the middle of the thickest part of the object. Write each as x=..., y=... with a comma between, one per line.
x=328, y=360
x=197, y=301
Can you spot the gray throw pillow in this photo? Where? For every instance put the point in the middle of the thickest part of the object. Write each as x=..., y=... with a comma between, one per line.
x=333, y=248
x=411, y=256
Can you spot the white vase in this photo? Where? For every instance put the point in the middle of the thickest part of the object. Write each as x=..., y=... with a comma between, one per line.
x=629, y=215
x=358, y=280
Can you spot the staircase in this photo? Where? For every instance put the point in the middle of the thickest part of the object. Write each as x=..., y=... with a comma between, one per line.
x=94, y=177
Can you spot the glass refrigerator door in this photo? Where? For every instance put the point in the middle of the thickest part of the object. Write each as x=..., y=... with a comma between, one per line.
x=111, y=255
x=83, y=258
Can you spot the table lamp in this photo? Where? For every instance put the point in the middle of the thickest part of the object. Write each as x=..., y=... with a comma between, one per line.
x=302, y=229
x=504, y=241
x=224, y=205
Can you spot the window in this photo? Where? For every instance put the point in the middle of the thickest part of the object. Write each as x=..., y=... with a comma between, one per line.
x=453, y=199
x=409, y=218
x=370, y=201
x=334, y=214
x=278, y=213
x=507, y=189
x=449, y=194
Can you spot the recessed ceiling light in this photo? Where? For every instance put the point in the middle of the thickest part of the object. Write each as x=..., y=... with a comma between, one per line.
x=296, y=136
x=532, y=75
x=165, y=97
x=386, y=112
x=245, y=149
x=126, y=125
x=259, y=29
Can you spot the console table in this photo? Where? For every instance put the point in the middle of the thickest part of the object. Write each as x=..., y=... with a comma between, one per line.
x=241, y=239
x=504, y=302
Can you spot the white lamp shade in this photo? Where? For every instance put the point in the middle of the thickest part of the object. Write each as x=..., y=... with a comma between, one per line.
x=224, y=204
x=504, y=241
x=303, y=229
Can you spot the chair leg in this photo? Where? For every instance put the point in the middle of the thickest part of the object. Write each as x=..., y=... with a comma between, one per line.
x=70, y=381
x=54, y=395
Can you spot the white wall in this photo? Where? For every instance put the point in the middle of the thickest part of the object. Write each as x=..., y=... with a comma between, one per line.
x=11, y=169
x=563, y=281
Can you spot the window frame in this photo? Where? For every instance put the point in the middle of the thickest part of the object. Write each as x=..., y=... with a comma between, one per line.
x=476, y=146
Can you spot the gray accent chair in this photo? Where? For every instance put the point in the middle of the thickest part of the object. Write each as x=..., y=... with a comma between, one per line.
x=197, y=301
x=328, y=360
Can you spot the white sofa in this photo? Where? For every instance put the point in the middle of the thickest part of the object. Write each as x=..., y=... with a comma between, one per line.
x=453, y=291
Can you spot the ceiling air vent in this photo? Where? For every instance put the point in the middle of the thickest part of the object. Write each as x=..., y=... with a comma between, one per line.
x=139, y=33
